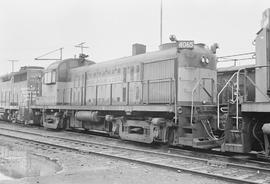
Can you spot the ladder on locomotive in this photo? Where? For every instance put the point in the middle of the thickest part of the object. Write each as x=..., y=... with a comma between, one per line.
x=234, y=140
x=234, y=135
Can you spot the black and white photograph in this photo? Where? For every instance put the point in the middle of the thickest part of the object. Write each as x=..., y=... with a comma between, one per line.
x=134, y=91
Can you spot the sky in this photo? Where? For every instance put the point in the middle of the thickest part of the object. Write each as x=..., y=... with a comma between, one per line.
x=30, y=28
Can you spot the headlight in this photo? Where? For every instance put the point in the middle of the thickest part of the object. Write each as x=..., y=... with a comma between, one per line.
x=204, y=60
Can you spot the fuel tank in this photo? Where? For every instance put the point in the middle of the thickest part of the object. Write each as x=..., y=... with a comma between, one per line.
x=87, y=116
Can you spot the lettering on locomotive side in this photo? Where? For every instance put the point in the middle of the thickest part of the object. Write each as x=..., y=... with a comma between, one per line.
x=186, y=44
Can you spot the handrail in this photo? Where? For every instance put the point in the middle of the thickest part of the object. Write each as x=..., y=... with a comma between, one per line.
x=237, y=94
x=192, y=100
x=192, y=97
x=175, y=101
x=218, y=114
x=135, y=81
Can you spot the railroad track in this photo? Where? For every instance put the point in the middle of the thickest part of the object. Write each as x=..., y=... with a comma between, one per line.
x=84, y=136
x=226, y=171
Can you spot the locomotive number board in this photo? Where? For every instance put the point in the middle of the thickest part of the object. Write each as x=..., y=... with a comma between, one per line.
x=186, y=44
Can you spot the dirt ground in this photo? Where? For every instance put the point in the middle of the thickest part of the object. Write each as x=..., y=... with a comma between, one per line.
x=81, y=168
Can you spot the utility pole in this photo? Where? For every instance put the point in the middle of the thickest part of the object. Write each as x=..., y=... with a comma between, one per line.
x=12, y=62
x=80, y=45
x=161, y=22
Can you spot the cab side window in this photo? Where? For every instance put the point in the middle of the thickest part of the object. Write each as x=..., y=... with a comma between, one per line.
x=124, y=74
x=132, y=73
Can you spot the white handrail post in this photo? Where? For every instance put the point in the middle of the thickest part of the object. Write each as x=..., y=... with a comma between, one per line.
x=218, y=114
x=175, y=101
x=237, y=98
x=191, y=115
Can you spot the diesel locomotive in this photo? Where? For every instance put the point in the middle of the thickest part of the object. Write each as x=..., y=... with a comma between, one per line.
x=164, y=96
x=18, y=92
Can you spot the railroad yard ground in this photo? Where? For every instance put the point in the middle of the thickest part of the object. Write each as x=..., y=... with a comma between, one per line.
x=81, y=168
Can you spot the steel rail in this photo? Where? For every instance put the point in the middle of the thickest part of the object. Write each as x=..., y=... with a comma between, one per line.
x=162, y=160
x=177, y=155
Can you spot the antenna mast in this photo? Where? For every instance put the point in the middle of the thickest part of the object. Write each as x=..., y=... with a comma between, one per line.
x=161, y=22
x=81, y=45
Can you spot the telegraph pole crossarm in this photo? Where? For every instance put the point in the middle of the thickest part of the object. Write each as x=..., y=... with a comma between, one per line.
x=60, y=57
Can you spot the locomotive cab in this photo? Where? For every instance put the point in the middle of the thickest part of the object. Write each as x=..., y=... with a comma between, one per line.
x=56, y=90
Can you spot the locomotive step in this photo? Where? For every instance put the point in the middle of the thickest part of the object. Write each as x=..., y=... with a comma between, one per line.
x=231, y=147
x=187, y=136
x=234, y=117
